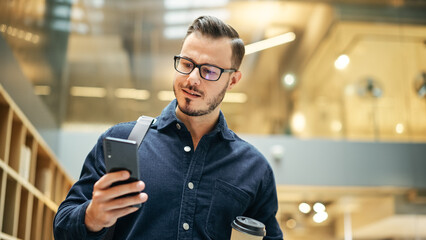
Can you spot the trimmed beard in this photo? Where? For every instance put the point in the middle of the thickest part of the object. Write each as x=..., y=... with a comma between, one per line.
x=211, y=105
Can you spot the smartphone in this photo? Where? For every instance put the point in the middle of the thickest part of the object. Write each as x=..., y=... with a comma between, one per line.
x=122, y=154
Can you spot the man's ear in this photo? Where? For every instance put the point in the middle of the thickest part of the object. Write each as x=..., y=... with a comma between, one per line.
x=235, y=78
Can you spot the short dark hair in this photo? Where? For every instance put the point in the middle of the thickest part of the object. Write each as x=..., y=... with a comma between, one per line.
x=216, y=28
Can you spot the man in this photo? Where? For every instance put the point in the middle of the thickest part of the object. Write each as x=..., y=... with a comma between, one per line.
x=197, y=175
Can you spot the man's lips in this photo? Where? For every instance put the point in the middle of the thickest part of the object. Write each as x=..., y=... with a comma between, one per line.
x=191, y=93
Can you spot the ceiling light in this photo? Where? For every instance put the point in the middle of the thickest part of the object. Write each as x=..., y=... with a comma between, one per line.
x=319, y=207
x=13, y=32
x=81, y=127
x=175, y=17
x=61, y=25
x=182, y=4
x=235, y=97
x=61, y=11
x=336, y=126
x=35, y=39
x=3, y=28
x=97, y=3
x=399, y=128
x=320, y=217
x=270, y=42
x=77, y=13
x=304, y=208
x=42, y=90
x=79, y=27
x=186, y=17
x=28, y=36
x=342, y=62
x=166, y=95
x=131, y=93
x=289, y=80
x=175, y=32
x=9, y=30
x=21, y=34
x=274, y=30
x=298, y=122
x=95, y=92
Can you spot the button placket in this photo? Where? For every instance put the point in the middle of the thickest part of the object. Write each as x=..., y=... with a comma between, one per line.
x=189, y=197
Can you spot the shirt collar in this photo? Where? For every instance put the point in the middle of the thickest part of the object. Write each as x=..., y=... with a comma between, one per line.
x=168, y=117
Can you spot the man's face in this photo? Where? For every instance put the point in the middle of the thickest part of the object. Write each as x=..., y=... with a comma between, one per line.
x=197, y=96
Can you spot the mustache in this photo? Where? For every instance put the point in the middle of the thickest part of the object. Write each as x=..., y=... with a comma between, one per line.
x=193, y=88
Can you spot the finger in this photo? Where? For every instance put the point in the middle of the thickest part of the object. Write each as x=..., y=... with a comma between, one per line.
x=123, y=212
x=106, y=180
x=125, y=202
x=123, y=189
x=95, y=222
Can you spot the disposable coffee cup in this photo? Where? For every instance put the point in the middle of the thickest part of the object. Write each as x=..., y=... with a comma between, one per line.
x=244, y=228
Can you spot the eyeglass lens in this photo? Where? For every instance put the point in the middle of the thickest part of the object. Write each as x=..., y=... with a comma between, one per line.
x=206, y=71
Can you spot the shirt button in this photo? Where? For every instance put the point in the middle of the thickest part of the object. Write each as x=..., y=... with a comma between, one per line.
x=190, y=185
x=187, y=148
x=185, y=226
x=178, y=126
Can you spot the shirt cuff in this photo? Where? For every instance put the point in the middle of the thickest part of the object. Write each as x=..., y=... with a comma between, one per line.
x=83, y=229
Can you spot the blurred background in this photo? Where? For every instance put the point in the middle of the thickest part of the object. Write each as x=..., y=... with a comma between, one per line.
x=337, y=101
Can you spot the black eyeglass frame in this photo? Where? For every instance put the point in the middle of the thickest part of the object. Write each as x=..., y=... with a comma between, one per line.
x=222, y=70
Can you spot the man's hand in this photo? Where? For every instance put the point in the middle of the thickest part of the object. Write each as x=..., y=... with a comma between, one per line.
x=105, y=208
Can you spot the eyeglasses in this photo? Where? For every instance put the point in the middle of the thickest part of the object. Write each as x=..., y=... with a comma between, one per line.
x=208, y=72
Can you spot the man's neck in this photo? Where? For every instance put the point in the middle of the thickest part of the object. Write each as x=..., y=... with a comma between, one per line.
x=198, y=126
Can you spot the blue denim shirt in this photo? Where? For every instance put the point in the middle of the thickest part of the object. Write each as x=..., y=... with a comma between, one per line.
x=203, y=190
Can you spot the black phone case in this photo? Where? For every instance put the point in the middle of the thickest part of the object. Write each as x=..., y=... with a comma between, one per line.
x=122, y=154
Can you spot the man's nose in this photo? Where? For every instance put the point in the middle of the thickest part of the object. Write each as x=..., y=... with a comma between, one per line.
x=194, y=77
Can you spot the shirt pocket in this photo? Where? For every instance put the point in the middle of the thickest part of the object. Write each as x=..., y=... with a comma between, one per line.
x=227, y=202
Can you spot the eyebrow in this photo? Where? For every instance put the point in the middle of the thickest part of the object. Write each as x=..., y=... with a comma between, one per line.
x=200, y=63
